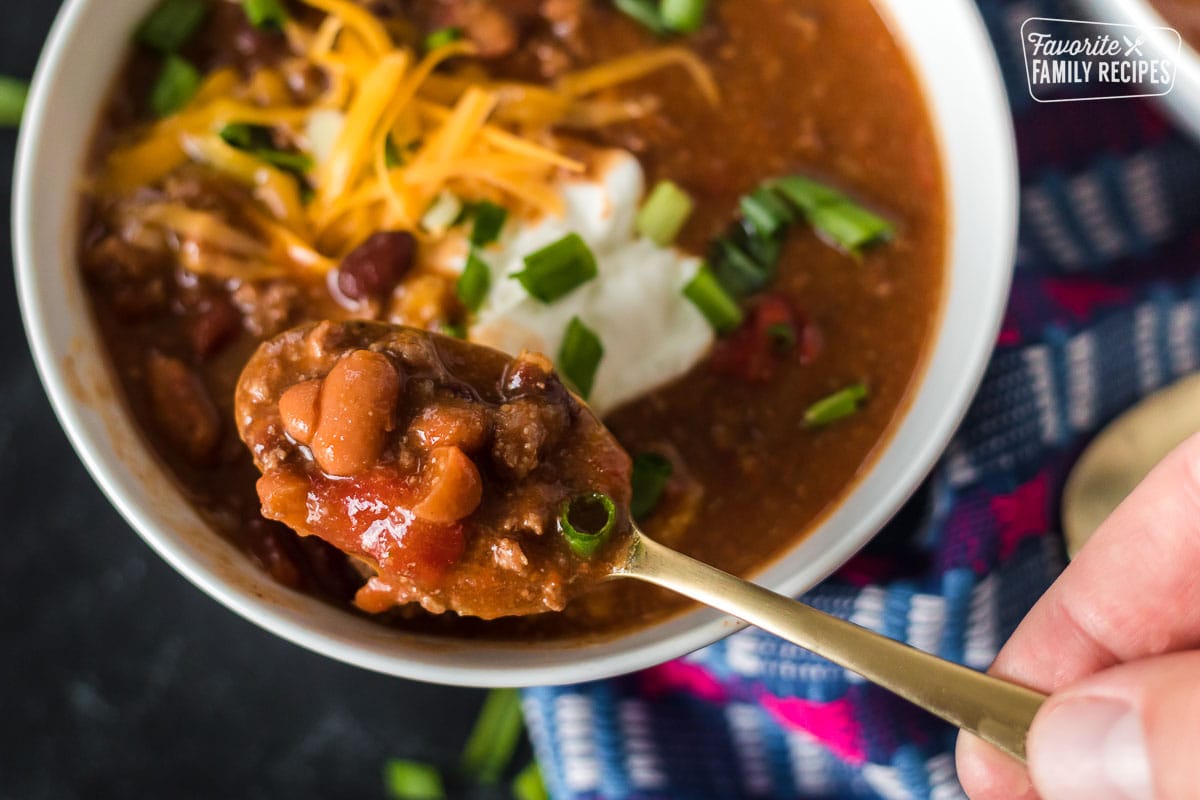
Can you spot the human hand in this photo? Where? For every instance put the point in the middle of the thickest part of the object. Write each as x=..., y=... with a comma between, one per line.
x=1116, y=643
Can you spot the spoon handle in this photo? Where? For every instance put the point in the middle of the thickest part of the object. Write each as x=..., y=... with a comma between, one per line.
x=997, y=711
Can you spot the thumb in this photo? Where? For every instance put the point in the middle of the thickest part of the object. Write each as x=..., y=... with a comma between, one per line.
x=1128, y=733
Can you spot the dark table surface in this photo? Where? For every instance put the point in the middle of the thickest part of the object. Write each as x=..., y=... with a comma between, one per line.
x=119, y=678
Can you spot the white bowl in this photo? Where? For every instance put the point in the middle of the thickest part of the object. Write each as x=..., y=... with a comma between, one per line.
x=955, y=62
x=1183, y=101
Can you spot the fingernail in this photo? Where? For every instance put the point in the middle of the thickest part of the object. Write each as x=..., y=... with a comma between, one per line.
x=1090, y=749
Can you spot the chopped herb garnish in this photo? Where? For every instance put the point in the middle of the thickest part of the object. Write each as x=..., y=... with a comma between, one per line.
x=442, y=214
x=647, y=12
x=721, y=310
x=844, y=222
x=474, y=282
x=266, y=14
x=256, y=140
x=412, y=780
x=489, y=222
x=528, y=785
x=442, y=37
x=172, y=24
x=738, y=272
x=494, y=738
x=766, y=212
x=666, y=16
x=850, y=227
x=683, y=16
x=664, y=213
x=586, y=521
x=782, y=336
x=455, y=330
x=836, y=406
x=176, y=85
x=391, y=154
x=13, y=94
x=558, y=269
x=580, y=356
x=241, y=136
x=651, y=471
x=299, y=163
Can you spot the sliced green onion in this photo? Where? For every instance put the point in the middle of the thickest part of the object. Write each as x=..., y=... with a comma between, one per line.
x=412, y=780
x=240, y=135
x=474, y=282
x=833, y=214
x=558, y=269
x=806, y=194
x=580, y=356
x=782, y=337
x=256, y=140
x=647, y=12
x=494, y=738
x=176, y=85
x=442, y=213
x=528, y=785
x=455, y=330
x=299, y=163
x=765, y=250
x=391, y=154
x=683, y=16
x=579, y=520
x=664, y=213
x=489, y=222
x=442, y=37
x=721, y=311
x=265, y=13
x=171, y=24
x=766, y=211
x=13, y=94
x=836, y=406
x=738, y=272
x=851, y=227
x=651, y=471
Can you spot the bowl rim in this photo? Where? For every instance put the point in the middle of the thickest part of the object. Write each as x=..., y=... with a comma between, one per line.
x=698, y=628
x=1182, y=102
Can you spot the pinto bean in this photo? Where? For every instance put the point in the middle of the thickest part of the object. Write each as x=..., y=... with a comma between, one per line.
x=374, y=268
x=299, y=408
x=455, y=488
x=466, y=427
x=182, y=408
x=357, y=401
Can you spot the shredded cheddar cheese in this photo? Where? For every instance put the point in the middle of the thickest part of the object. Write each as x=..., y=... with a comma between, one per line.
x=390, y=132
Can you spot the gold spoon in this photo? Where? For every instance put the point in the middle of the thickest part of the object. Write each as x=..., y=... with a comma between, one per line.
x=1123, y=454
x=996, y=711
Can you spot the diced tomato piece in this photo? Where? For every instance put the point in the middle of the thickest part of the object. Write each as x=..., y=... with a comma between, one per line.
x=370, y=515
x=773, y=335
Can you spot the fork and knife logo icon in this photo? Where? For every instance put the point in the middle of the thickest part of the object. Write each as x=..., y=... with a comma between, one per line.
x=1132, y=47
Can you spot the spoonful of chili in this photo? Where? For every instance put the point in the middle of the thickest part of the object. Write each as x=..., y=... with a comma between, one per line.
x=468, y=481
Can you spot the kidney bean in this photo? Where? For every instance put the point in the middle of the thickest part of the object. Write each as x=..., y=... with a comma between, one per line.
x=357, y=401
x=213, y=325
x=455, y=489
x=298, y=408
x=374, y=268
x=182, y=408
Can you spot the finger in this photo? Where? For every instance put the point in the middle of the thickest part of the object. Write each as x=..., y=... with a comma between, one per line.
x=1128, y=733
x=1129, y=594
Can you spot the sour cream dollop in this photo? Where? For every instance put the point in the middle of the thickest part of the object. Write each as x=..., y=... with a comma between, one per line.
x=651, y=333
